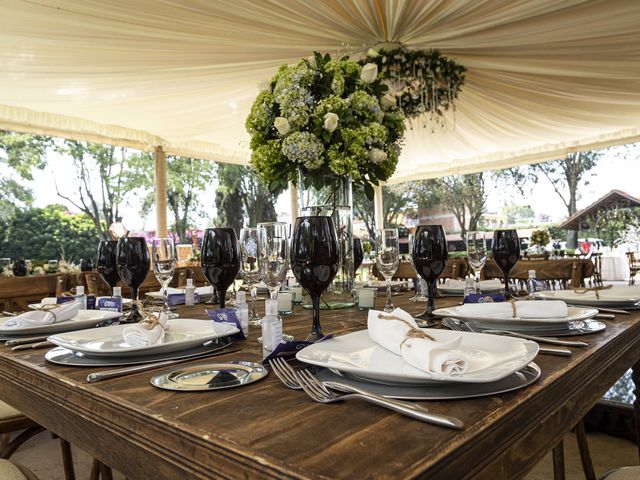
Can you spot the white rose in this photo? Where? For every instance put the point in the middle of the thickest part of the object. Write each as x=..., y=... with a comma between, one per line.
x=377, y=156
x=331, y=121
x=312, y=61
x=282, y=125
x=388, y=101
x=372, y=53
x=369, y=73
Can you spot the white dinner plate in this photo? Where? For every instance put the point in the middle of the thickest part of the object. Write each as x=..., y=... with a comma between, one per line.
x=84, y=319
x=574, y=314
x=208, y=290
x=38, y=306
x=617, y=296
x=181, y=334
x=490, y=358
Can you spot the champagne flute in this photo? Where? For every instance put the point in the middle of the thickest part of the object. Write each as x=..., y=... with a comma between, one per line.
x=387, y=258
x=220, y=259
x=107, y=264
x=273, y=255
x=132, y=256
x=164, y=257
x=315, y=259
x=506, y=253
x=429, y=259
x=249, y=269
x=476, y=254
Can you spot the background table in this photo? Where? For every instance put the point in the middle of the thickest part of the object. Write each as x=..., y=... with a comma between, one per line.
x=266, y=431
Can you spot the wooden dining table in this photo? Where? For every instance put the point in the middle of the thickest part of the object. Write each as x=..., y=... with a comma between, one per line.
x=264, y=430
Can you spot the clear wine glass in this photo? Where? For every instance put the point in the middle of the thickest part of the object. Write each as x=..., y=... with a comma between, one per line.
x=273, y=255
x=387, y=258
x=163, y=253
x=249, y=268
x=476, y=254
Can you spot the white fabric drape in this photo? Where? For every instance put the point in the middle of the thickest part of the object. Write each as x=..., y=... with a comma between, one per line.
x=544, y=77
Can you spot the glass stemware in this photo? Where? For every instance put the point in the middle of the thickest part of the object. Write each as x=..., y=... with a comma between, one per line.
x=164, y=257
x=132, y=256
x=107, y=264
x=476, y=254
x=249, y=268
x=387, y=258
x=506, y=253
x=358, y=254
x=273, y=255
x=315, y=259
x=429, y=259
x=220, y=259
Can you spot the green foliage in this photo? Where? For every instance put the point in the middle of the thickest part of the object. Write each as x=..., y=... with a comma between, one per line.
x=397, y=200
x=43, y=233
x=519, y=214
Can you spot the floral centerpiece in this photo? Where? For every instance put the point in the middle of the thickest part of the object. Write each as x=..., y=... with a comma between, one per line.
x=540, y=237
x=323, y=117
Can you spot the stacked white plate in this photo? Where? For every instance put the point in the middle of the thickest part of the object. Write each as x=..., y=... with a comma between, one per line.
x=84, y=319
x=202, y=291
x=627, y=297
x=456, y=287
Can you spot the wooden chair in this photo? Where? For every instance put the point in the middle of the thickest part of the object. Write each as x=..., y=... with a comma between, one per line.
x=16, y=293
x=596, y=278
x=634, y=266
x=623, y=473
x=565, y=273
x=15, y=471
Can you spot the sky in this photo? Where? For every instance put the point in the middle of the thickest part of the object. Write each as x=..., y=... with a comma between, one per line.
x=614, y=171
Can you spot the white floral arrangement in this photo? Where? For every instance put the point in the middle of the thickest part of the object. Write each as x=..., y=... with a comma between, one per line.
x=68, y=267
x=7, y=271
x=325, y=117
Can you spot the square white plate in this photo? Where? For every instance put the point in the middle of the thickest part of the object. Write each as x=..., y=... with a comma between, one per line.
x=181, y=334
x=616, y=296
x=574, y=314
x=490, y=358
x=84, y=319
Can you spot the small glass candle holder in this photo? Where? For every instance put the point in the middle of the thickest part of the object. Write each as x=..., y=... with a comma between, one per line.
x=366, y=298
x=285, y=303
x=296, y=293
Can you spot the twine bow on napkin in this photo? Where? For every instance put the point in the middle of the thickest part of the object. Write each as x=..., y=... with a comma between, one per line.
x=596, y=290
x=45, y=315
x=399, y=333
x=149, y=331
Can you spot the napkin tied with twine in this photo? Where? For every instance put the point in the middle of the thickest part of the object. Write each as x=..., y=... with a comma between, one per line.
x=149, y=331
x=398, y=332
x=45, y=315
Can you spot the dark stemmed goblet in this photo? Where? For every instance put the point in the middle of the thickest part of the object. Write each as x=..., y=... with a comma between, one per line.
x=358, y=254
x=107, y=264
x=133, y=260
x=315, y=260
x=429, y=258
x=506, y=253
x=220, y=259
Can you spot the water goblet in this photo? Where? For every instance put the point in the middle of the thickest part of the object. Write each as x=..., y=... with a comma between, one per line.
x=273, y=255
x=387, y=258
x=506, y=253
x=249, y=268
x=164, y=257
x=132, y=256
x=220, y=259
x=429, y=259
x=476, y=254
x=106, y=264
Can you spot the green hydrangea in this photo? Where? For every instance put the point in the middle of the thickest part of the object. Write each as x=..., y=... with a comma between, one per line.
x=332, y=103
x=304, y=148
x=365, y=106
x=262, y=113
x=267, y=160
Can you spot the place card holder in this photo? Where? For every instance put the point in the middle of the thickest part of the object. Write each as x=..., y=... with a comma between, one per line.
x=228, y=316
x=484, y=298
x=366, y=298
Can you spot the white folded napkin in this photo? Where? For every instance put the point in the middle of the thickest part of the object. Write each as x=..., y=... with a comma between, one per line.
x=523, y=309
x=49, y=301
x=403, y=337
x=64, y=312
x=144, y=334
x=459, y=284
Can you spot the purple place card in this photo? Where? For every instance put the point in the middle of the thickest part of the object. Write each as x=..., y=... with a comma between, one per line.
x=484, y=298
x=60, y=300
x=289, y=349
x=228, y=316
x=179, y=299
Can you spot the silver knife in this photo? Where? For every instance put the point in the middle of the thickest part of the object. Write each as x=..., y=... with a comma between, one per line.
x=602, y=309
x=29, y=346
x=22, y=341
x=561, y=352
x=551, y=341
x=106, y=374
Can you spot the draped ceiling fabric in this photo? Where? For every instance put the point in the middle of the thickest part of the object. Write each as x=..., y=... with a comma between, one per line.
x=544, y=77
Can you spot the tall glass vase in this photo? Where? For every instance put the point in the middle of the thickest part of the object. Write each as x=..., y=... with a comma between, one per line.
x=334, y=200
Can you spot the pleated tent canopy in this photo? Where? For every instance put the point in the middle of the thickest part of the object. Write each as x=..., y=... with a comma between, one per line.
x=545, y=77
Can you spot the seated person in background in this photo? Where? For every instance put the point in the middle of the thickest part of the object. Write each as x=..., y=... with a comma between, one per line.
x=585, y=247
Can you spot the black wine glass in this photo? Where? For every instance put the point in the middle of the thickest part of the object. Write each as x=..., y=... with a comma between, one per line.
x=315, y=260
x=220, y=259
x=133, y=262
x=86, y=264
x=506, y=253
x=429, y=258
x=358, y=254
x=106, y=263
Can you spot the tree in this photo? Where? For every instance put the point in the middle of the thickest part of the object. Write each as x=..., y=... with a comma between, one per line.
x=519, y=214
x=20, y=154
x=47, y=233
x=396, y=200
x=187, y=179
x=104, y=181
x=241, y=195
x=565, y=176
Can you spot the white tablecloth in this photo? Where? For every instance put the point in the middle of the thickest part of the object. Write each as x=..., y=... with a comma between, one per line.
x=615, y=267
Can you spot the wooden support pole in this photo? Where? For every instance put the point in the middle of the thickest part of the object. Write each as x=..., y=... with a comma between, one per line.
x=161, y=192
x=295, y=205
x=378, y=207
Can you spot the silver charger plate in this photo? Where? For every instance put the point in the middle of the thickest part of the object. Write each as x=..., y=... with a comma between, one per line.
x=211, y=376
x=579, y=327
x=444, y=391
x=64, y=356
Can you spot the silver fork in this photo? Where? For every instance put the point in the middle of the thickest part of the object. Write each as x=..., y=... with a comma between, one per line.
x=285, y=373
x=320, y=393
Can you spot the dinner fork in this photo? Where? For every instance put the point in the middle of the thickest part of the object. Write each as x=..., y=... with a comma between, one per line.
x=321, y=394
x=285, y=373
